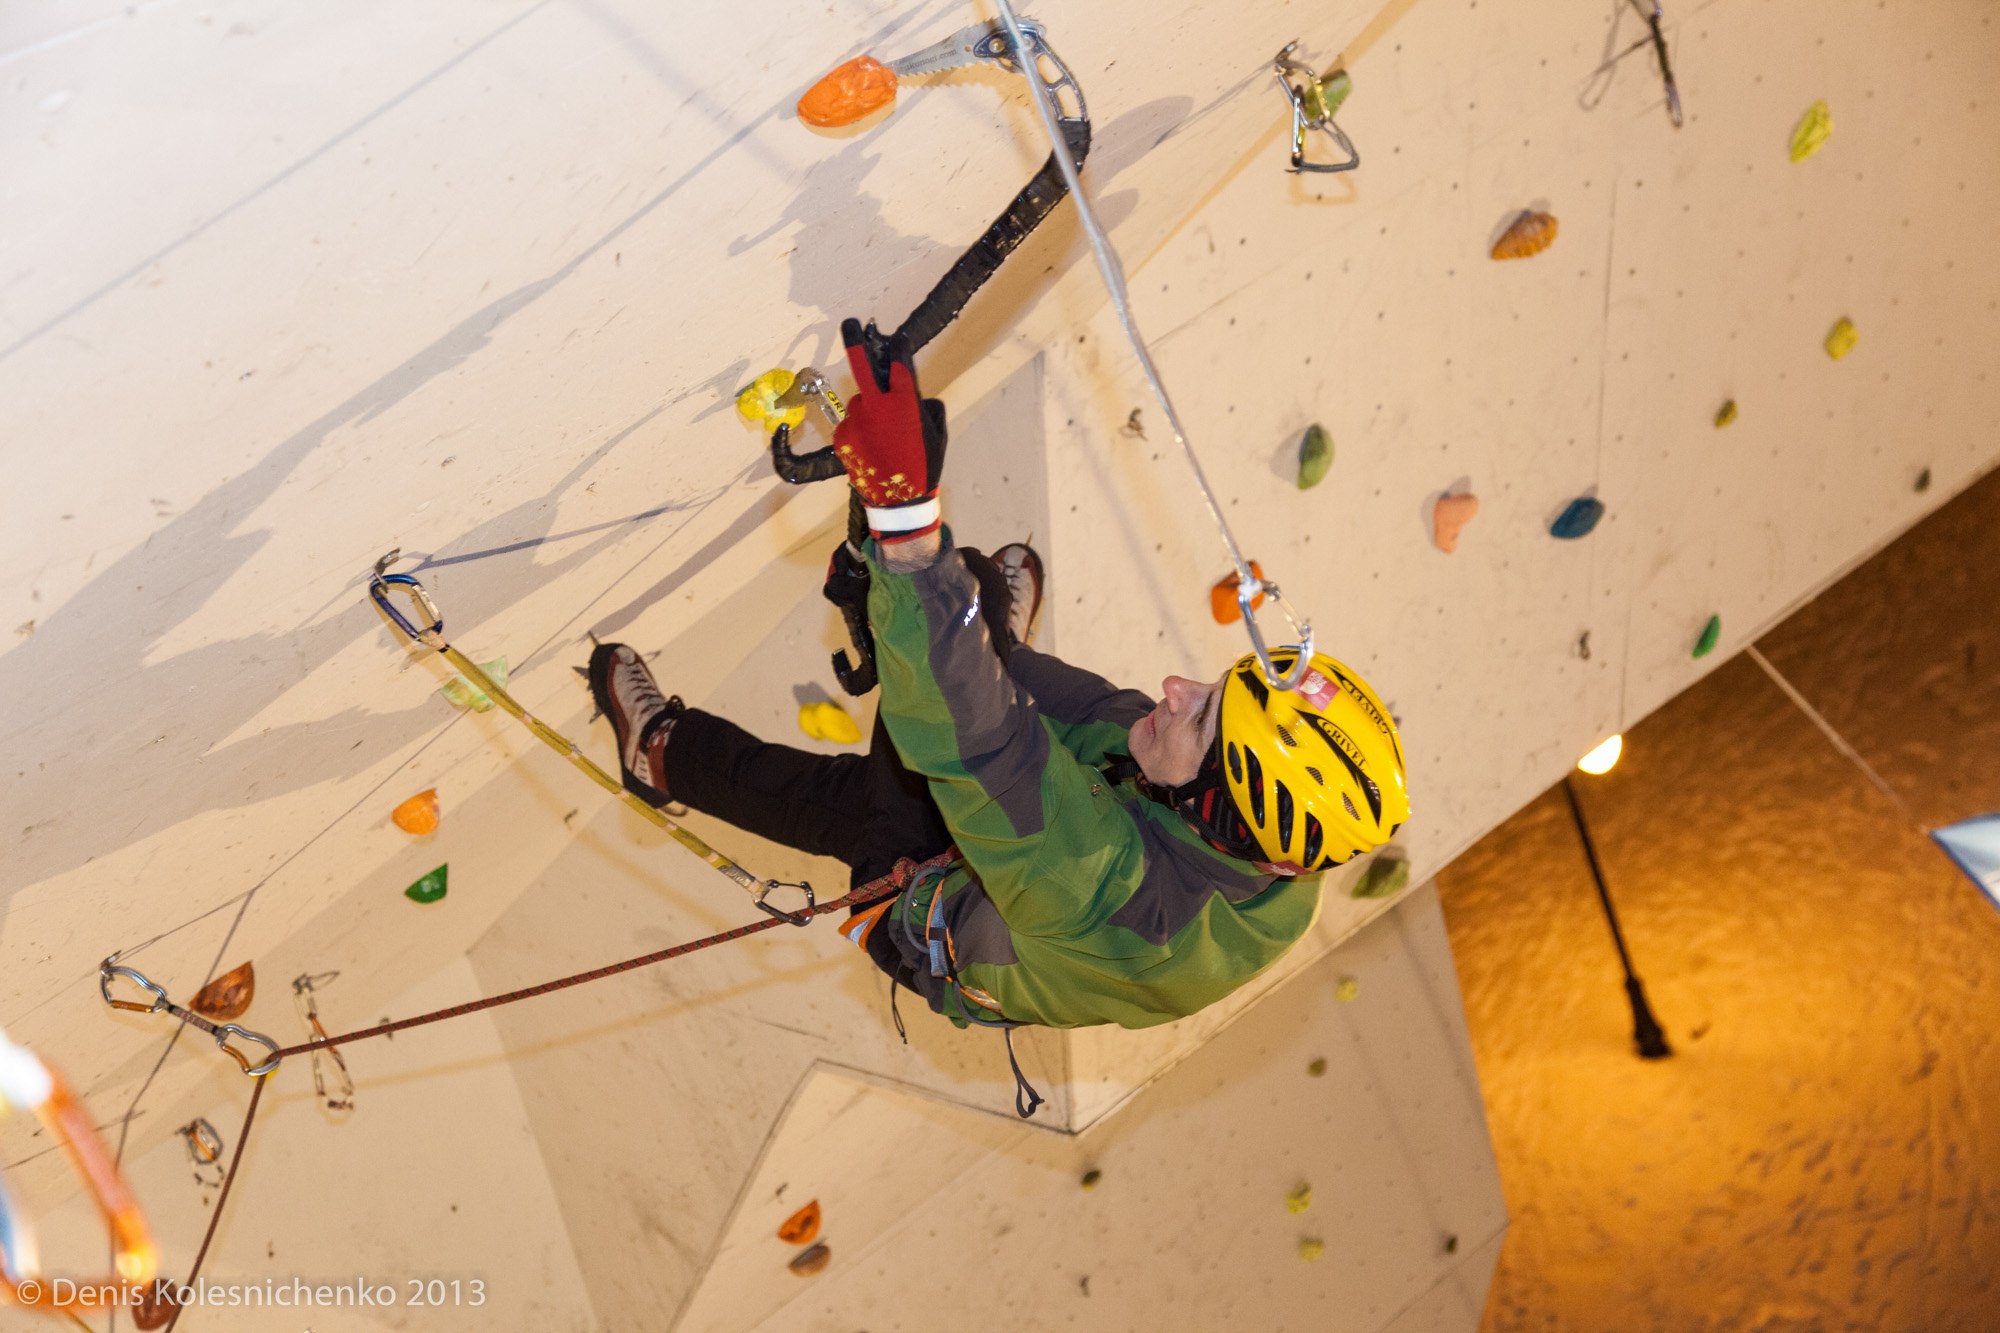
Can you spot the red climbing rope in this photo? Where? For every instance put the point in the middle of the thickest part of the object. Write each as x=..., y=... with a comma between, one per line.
x=906, y=873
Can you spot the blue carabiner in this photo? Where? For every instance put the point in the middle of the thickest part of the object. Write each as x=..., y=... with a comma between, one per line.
x=378, y=589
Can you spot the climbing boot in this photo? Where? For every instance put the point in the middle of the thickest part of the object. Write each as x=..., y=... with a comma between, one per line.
x=640, y=716
x=1022, y=569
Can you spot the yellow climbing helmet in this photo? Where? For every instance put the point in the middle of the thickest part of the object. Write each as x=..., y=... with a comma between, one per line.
x=1316, y=772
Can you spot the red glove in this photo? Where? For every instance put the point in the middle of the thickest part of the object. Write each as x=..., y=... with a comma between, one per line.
x=891, y=441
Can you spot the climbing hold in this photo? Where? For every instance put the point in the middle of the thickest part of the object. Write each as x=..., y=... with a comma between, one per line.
x=1315, y=456
x=1840, y=339
x=849, y=92
x=1222, y=603
x=801, y=1227
x=1317, y=1067
x=828, y=721
x=757, y=403
x=807, y=1262
x=430, y=888
x=1725, y=414
x=227, y=996
x=1451, y=1244
x=1322, y=97
x=1530, y=234
x=419, y=814
x=1346, y=989
x=1811, y=132
x=1090, y=1178
x=1311, y=1248
x=1300, y=1199
x=1709, y=634
x=1577, y=519
x=1449, y=518
x=156, y=1306
x=1385, y=876
x=1923, y=481
x=462, y=693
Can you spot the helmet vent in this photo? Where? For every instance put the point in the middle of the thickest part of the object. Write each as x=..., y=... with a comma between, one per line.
x=1235, y=763
x=1284, y=815
x=1317, y=776
x=1255, y=783
x=1352, y=813
x=1315, y=836
x=1285, y=735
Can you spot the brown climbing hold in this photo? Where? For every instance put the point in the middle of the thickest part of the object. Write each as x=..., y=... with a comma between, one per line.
x=1453, y=512
x=851, y=91
x=1222, y=603
x=157, y=1306
x=1530, y=234
x=419, y=814
x=227, y=996
x=801, y=1227
x=814, y=1260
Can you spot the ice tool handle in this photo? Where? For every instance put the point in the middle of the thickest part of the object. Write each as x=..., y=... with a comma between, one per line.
x=982, y=43
x=110, y=971
x=381, y=584
x=1312, y=109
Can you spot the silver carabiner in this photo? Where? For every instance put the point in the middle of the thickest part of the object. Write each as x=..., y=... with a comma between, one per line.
x=107, y=971
x=1247, y=593
x=1311, y=110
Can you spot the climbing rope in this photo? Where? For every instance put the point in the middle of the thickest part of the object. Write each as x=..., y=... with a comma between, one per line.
x=905, y=873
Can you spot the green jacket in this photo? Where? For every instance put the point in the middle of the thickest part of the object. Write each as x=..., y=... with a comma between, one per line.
x=1080, y=901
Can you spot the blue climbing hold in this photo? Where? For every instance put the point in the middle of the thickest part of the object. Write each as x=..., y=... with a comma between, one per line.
x=1577, y=519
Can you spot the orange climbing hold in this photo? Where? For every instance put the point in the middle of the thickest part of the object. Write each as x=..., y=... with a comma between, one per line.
x=419, y=814
x=1453, y=512
x=226, y=997
x=1222, y=601
x=801, y=1227
x=1531, y=234
x=853, y=90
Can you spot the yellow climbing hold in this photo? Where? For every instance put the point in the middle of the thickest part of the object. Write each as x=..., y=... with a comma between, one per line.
x=1346, y=989
x=1725, y=414
x=1311, y=1248
x=1840, y=339
x=1090, y=1178
x=1317, y=1067
x=1812, y=130
x=1300, y=1199
x=758, y=402
x=462, y=693
x=828, y=721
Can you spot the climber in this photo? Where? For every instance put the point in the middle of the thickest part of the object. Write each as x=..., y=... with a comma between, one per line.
x=1121, y=860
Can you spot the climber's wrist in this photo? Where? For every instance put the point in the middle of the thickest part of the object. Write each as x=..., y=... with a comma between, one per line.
x=915, y=553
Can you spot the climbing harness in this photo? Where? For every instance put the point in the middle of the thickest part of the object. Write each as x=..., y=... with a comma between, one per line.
x=342, y=1097
x=1314, y=101
x=382, y=583
x=1654, y=38
x=110, y=970
x=29, y=1085
x=1251, y=586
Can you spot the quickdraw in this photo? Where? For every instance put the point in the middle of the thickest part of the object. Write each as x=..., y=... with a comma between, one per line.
x=29, y=1085
x=431, y=634
x=1314, y=101
x=110, y=970
x=304, y=994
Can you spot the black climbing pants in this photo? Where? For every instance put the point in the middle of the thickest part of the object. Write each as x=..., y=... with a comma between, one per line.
x=866, y=810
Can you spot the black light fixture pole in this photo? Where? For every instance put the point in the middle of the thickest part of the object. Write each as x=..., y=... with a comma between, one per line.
x=1645, y=1028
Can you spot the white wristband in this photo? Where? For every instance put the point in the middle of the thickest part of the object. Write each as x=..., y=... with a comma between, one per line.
x=905, y=518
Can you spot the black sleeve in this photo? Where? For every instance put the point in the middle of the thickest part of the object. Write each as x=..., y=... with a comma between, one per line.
x=1072, y=696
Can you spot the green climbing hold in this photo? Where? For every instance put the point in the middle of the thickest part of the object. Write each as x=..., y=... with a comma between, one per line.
x=1300, y=1199
x=1710, y=632
x=1315, y=456
x=1323, y=97
x=1385, y=876
x=428, y=889
x=462, y=693
x=1317, y=1067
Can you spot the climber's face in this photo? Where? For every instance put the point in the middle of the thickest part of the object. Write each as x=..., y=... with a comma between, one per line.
x=1169, y=742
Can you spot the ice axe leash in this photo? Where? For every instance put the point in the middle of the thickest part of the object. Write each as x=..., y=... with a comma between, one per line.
x=428, y=630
